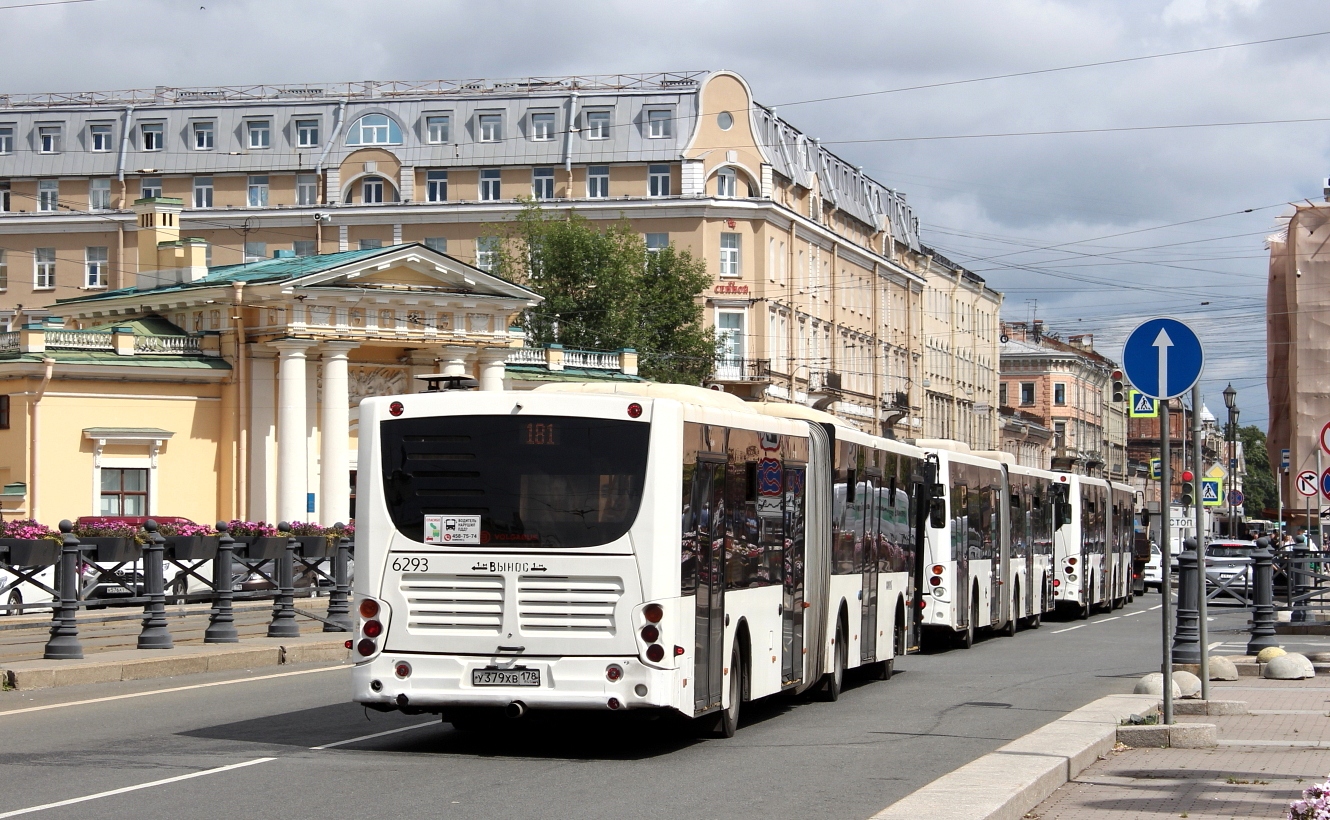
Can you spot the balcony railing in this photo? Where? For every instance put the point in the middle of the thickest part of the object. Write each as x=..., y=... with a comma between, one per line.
x=730, y=369
x=78, y=340
x=166, y=344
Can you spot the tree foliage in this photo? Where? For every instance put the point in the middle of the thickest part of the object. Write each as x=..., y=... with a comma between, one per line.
x=604, y=291
x=1259, y=484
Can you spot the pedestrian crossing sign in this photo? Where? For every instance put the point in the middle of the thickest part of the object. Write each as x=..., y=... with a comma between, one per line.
x=1156, y=469
x=1142, y=406
x=1212, y=492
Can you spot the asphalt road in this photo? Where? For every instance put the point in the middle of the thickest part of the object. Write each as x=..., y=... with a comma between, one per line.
x=231, y=746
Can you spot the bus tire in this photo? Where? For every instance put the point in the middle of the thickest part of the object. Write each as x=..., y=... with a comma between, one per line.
x=1088, y=606
x=965, y=639
x=1010, y=629
x=836, y=677
x=729, y=716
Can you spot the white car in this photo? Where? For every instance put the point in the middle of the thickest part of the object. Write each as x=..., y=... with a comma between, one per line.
x=1153, y=570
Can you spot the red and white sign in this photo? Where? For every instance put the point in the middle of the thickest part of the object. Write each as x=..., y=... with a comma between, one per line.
x=731, y=289
x=1325, y=437
x=1306, y=483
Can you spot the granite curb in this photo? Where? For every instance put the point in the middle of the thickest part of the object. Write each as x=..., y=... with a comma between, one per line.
x=1007, y=783
x=136, y=664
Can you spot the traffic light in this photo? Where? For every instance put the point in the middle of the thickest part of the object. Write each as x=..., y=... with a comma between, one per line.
x=1119, y=393
x=1188, y=494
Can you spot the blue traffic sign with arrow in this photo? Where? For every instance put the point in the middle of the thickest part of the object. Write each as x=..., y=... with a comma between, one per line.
x=1163, y=358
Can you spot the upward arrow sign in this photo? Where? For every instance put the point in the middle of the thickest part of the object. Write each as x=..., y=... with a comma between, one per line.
x=1162, y=343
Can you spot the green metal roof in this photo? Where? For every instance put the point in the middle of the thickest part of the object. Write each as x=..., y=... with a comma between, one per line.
x=180, y=362
x=539, y=373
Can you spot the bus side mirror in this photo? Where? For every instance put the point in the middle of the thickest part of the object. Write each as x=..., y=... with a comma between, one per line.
x=1145, y=518
x=937, y=513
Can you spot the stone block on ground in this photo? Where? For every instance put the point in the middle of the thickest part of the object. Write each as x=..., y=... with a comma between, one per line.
x=1153, y=684
x=1289, y=666
x=1193, y=735
x=1143, y=737
x=1216, y=708
x=1189, y=686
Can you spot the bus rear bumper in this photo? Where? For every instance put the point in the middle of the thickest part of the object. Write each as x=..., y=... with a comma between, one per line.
x=441, y=682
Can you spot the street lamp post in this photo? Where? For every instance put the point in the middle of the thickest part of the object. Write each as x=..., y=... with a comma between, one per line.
x=1231, y=402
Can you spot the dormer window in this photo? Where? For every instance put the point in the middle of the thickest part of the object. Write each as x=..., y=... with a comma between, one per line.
x=660, y=124
x=542, y=127
x=260, y=133
x=48, y=139
x=100, y=137
x=374, y=129
x=491, y=127
x=152, y=136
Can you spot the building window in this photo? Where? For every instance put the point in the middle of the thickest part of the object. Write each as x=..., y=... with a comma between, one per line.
x=659, y=124
x=729, y=254
x=94, y=264
x=542, y=183
x=6, y=139
x=542, y=127
x=1027, y=393
x=436, y=186
x=124, y=492
x=101, y=137
x=4, y=195
x=371, y=244
x=152, y=136
x=1002, y=394
x=48, y=139
x=371, y=190
x=657, y=242
x=256, y=251
x=374, y=129
x=202, y=192
x=150, y=187
x=489, y=184
x=48, y=195
x=658, y=180
x=4, y=271
x=1059, y=393
x=4, y=412
x=203, y=136
x=307, y=189
x=44, y=273
x=99, y=194
x=726, y=184
x=258, y=191
x=437, y=128
x=730, y=338
x=598, y=181
x=487, y=250
x=491, y=127
x=597, y=125
x=305, y=247
x=307, y=133
x=437, y=243
x=260, y=133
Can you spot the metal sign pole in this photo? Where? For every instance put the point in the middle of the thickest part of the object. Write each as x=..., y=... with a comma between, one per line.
x=1165, y=560
x=1200, y=539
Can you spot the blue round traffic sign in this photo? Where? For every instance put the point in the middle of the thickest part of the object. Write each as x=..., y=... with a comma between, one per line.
x=1163, y=358
x=1235, y=498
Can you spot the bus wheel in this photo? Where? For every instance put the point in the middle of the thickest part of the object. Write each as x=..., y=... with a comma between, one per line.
x=1010, y=629
x=1035, y=620
x=836, y=678
x=1088, y=606
x=729, y=717
x=965, y=639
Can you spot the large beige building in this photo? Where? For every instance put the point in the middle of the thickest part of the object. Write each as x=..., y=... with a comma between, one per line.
x=822, y=291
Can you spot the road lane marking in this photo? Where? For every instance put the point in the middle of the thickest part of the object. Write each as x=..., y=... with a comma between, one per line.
x=1137, y=612
x=1216, y=643
x=165, y=691
x=1156, y=606
x=126, y=789
x=1068, y=629
x=376, y=734
x=1106, y=620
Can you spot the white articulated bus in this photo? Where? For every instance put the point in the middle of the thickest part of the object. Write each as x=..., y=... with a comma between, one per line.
x=597, y=546
x=1032, y=497
x=968, y=545
x=1093, y=545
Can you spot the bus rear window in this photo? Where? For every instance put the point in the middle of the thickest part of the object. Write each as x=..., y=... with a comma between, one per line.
x=547, y=481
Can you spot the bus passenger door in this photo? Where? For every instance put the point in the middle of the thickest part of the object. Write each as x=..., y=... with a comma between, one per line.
x=708, y=659
x=869, y=531
x=792, y=609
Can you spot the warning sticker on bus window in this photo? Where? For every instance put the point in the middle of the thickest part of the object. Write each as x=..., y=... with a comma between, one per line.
x=452, y=529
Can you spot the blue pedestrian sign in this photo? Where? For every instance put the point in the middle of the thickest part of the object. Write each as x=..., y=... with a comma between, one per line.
x=1142, y=406
x=1211, y=492
x=1163, y=358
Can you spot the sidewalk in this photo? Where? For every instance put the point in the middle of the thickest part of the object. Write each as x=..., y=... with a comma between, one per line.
x=1264, y=760
x=110, y=637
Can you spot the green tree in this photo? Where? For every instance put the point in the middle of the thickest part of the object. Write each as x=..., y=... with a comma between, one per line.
x=604, y=291
x=1259, y=484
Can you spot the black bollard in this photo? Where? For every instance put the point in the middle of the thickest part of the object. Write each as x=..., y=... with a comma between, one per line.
x=64, y=642
x=339, y=607
x=283, y=623
x=1187, y=636
x=1263, y=598
x=221, y=621
x=1297, y=567
x=154, y=635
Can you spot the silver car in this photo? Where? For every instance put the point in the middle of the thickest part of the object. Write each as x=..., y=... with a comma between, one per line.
x=1228, y=565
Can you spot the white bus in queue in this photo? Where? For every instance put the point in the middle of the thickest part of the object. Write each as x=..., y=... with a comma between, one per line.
x=597, y=546
x=1093, y=545
x=1032, y=497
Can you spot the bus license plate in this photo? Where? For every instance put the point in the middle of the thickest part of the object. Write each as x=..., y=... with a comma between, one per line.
x=505, y=677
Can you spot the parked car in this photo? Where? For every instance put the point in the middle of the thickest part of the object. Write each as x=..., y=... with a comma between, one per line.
x=20, y=595
x=1154, y=574
x=1227, y=559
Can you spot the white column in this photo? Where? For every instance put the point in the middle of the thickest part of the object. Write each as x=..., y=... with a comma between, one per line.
x=262, y=437
x=292, y=450
x=454, y=359
x=334, y=433
x=491, y=367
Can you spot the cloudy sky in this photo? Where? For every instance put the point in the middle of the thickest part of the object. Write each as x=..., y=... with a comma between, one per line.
x=1110, y=201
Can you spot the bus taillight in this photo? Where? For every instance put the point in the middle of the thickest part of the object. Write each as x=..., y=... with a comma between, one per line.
x=613, y=673
x=938, y=569
x=372, y=629
x=366, y=647
x=369, y=608
x=655, y=653
x=650, y=633
x=653, y=613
